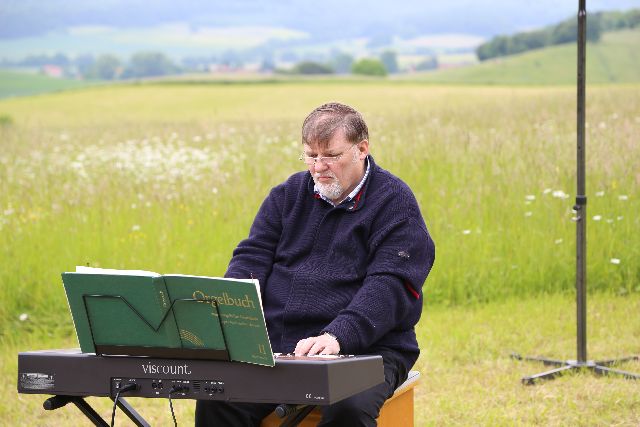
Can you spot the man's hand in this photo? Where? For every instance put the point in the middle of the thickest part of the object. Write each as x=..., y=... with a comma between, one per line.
x=322, y=344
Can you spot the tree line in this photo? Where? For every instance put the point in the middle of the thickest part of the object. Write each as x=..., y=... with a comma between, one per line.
x=564, y=32
x=154, y=64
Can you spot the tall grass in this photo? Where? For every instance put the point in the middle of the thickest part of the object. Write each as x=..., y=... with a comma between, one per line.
x=168, y=178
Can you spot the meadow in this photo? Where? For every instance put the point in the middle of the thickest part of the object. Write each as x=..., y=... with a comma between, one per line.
x=14, y=83
x=613, y=59
x=167, y=177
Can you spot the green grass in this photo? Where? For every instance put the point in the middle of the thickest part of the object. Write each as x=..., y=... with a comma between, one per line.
x=14, y=83
x=168, y=178
x=614, y=59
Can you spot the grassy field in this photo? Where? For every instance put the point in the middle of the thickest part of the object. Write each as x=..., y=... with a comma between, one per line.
x=23, y=84
x=614, y=59
x=168, y=178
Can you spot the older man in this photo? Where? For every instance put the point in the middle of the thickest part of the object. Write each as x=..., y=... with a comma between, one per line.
x=341, y=252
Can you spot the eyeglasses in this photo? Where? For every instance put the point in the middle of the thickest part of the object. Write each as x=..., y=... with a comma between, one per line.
x=327, y=160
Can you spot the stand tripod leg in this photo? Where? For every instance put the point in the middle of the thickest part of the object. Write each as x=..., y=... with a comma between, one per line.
x=530, y=380
x=132, y=413
x=59, y=401
x=548, y=362
x=616, y=361
x=603, y=370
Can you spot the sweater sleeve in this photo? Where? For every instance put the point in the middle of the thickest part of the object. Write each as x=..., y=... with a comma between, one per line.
x=253, y=258
x=391, y=294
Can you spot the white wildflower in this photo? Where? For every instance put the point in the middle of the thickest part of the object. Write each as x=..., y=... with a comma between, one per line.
x=558, y=241
x=600, y=193
x=546, y=191
x=623, y=197
x=214, y=190
x=466, y=231
x=135, y=227
x=615, y=261
x=619, y=218
x=559, y=194
x=597, y=217
x=23, y=317
x=530, y=197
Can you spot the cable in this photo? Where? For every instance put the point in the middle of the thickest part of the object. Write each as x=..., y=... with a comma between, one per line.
x=174, y=389
x=115, y=401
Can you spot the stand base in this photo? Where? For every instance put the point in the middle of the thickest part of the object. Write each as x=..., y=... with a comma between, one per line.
x=600, y=367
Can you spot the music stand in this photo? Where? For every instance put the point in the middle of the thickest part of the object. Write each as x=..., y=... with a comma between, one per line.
x=600, y=367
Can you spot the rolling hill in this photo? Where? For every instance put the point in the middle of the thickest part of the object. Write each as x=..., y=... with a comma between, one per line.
x=614, y=59
x=14, y=83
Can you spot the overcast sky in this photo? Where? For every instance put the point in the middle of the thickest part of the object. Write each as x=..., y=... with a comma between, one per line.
x=340, y=18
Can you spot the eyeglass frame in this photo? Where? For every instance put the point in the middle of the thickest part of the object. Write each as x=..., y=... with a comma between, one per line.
x=326, y=160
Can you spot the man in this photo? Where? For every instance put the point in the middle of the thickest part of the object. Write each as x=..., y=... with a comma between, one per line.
x=341, y=252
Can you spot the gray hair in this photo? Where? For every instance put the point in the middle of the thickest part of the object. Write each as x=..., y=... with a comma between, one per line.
x=323, y=122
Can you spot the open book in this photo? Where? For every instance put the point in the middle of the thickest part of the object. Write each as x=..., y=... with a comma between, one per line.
x=134, y=312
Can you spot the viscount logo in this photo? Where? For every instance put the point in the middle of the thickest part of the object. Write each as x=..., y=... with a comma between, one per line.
x=150, y=368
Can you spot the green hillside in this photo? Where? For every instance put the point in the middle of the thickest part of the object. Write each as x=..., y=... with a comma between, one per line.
x=614, y=59
x=20, y=84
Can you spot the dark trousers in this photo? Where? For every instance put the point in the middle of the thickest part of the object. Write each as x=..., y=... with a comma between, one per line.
x=361, y=409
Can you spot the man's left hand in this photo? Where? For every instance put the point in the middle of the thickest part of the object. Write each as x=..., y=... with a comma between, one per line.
x=322, y=344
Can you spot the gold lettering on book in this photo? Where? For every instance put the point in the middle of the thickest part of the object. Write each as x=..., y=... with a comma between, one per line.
x=191, y=337
x=225, y=299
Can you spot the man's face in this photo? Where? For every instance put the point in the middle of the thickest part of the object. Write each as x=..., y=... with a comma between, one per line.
x=337, y=179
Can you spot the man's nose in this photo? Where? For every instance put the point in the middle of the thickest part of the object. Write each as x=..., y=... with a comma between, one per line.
x=320, y=166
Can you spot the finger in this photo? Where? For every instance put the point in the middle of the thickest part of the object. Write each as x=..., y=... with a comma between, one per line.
x=299, y=346
x=303, y=346
x=332, y=348
x=316, y=348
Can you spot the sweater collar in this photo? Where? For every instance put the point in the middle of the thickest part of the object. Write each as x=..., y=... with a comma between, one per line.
x=355, y=199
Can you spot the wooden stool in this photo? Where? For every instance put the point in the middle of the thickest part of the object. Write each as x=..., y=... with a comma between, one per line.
x=396, y=411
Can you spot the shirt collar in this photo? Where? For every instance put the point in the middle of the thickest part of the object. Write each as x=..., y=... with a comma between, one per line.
x=353, y=193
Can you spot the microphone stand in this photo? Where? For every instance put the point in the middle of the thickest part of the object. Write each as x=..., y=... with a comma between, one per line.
x=600, y=367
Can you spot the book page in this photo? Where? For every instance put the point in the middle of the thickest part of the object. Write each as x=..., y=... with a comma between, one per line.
x=95, y=270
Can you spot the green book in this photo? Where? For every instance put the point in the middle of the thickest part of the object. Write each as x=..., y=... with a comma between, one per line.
x=139, y=312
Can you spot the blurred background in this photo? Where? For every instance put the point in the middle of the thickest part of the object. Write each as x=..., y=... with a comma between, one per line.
x=119, y=40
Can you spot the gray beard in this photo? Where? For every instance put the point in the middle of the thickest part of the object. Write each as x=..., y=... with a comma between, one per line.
x=330, y=191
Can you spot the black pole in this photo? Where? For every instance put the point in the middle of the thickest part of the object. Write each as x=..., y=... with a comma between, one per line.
x=581, y=197
x=599, y=367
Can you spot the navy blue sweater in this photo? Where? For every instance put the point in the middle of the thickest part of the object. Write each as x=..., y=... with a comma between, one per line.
x=355, y=270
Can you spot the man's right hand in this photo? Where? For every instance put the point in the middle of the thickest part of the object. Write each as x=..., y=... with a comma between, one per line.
x=322, y=344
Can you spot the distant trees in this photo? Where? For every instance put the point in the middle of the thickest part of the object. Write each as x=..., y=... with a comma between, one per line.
x=369, y=67
x=341, y=63
x=149, y=64
x=105, y=67
x=390, y=60
x=564, y=32
x=311, y=67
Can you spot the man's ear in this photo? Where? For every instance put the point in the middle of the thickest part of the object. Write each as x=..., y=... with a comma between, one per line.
x=363, y=149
